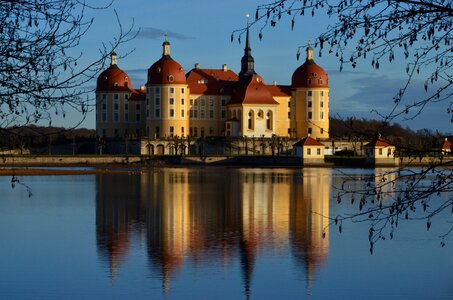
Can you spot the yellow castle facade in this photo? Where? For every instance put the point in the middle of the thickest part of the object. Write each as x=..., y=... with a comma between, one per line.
x=212, y=102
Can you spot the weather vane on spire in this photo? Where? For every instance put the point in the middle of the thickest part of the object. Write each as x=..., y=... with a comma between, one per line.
x=166, y=36
x=247, y=15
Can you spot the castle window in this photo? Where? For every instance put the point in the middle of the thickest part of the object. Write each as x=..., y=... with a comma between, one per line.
x=309, y=81
x=308, y=151
x=137, y=117
x=309, y=130
x=172, y=131
x=115, y=84
x=310, y=115
x=223, y=114
x=172, y=113
x=126, y=96
x=182, y=101
x=223, y=102
x=318, y=151
x=104, y=106
x=137, y=107
x=250, y=120
x=182, y=113
x=269, y=120
x=157, y=101
x=309, y=93
x=182, y=130
x=172, y=90
x=191, y=102
x=322, y=130
x=182, y=90
x=115, y=96
x=126, y=117
x=172, y=101
x=321, y=104
x=104, y=96
x=321, y=115
x=309, y=104
x=322, y=92
x=320, y=81
x=171, y=78
x=211, y=114
x=157, y=132
x=157, y=113
x=157, y=91
x=260, y=114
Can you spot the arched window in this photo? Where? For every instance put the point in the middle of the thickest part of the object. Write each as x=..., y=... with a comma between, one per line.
x=269, y=120
x=171, y=78
x=250, y=120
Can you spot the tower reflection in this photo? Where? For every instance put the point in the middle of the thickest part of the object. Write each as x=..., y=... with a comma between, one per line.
x=214, y=215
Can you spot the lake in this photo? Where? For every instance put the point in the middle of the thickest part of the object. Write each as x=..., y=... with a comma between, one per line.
x=209, y=233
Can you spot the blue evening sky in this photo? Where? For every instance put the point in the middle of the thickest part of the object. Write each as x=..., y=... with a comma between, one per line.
x=200, y=30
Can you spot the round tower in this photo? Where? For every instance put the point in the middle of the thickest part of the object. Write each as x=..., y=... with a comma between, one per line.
x=310, y=100
x=166, y=98
x=113, y=88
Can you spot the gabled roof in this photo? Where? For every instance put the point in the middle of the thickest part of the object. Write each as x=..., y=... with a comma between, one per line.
x=279, y=90
x=447, y=145
x=253, y=91
x=211, y=81
x=308, y=141
x=379, y=142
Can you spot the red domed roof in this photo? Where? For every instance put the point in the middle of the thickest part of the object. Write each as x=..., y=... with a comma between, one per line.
x=113, y=79
x=166, y=71
x=309, y=74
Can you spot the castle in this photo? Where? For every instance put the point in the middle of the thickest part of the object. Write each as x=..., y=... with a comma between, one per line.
x=212, y=102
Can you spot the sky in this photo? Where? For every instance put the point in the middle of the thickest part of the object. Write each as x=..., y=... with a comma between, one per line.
x=200, y=31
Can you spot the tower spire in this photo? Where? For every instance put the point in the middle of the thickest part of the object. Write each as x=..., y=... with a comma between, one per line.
x=166, y=46
x=113, y=59
x=247, y=61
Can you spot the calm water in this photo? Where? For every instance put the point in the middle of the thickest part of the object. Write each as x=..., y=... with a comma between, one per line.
x=214, y=233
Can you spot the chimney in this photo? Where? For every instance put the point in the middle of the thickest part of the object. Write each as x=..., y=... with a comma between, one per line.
x=197, y=66
x=142, y=88
x=274, y=83
x=224, y=68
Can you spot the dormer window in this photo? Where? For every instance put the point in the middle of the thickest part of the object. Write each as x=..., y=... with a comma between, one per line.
x=309, y=81
x=315, y=75
x=320, y=81
x=115, y=84
x=126, y=78
x=171, y=78
x=159, y=69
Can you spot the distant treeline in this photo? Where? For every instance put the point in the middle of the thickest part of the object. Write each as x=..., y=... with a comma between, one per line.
x=81, y=140
x=42, y=139
x=363, y=129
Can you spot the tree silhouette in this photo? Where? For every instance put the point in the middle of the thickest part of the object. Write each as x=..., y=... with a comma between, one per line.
x=39, y=77
x=376, y=31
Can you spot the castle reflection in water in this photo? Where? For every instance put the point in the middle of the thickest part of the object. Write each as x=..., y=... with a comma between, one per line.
x=220, y=214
